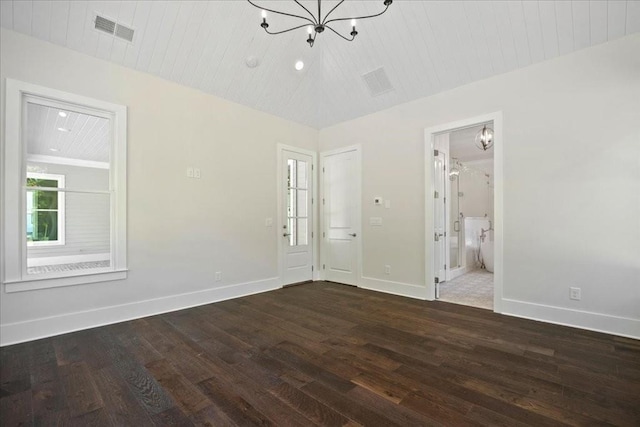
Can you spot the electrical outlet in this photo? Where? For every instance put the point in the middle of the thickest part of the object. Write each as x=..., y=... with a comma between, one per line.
x=196, y=173
x=189, y=172
x=218, y=276
x=387, y=269
x=575, y=294
x=268, y=222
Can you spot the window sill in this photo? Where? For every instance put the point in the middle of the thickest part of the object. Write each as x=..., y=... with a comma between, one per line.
x=57, y=282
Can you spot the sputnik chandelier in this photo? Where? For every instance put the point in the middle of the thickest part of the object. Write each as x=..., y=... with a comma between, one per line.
x=316, y=24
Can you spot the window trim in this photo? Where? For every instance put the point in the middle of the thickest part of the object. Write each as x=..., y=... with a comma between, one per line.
x=61, y=210
x=12, y=239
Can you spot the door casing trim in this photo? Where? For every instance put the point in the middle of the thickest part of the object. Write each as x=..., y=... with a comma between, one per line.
x=498, y=223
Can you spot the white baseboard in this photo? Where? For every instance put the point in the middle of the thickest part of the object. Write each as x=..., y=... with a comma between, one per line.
x=14, y=333
x=67, y=259
x=622, y=326
x=394, y=288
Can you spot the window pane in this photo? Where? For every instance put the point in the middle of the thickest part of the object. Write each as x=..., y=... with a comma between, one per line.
x=37, y=182
x=87, y=237
x=44, y=200
x=44, y=226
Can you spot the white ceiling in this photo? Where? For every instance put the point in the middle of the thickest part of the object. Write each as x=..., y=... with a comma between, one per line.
x=463, y=147
x=425, y=47
x=85, y=137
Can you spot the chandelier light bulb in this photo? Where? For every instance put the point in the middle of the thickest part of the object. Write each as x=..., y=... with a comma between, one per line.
x=264, y=14
x=299, y=65
x=353, y=22
x=310, y=29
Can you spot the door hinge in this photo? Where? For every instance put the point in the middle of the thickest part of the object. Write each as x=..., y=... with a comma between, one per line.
x=322, y=170
x=323, y=234
x=323, y=266
x=437, y=280
x=444, y=200
x=312, y=234
x=445, y=266
x=312, y=268
x=323, y=200
x=311, y=169
x=312, y=200
x=435, y=153
x=444, y=167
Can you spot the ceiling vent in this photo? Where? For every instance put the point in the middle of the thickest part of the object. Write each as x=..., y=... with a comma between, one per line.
x=124, y=33
x=104, y=24
x=113, y=28
x=377, y=81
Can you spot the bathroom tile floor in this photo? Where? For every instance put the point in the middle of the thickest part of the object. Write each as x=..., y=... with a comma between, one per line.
x=474, y=288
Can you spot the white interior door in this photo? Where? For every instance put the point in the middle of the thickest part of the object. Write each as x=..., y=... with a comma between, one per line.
x=296, y=226
x=439, y=218
x=341, y=216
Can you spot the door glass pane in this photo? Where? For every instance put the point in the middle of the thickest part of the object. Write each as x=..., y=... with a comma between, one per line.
x=302, y=180
x=301, y=205
x=292, y=202
x=291, y=173
x=292, y=230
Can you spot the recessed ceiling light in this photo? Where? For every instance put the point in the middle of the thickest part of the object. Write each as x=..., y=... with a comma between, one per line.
x=64, y=130
x=252, y=61
x=299, y=65
x=62, y=114
x=54, y=149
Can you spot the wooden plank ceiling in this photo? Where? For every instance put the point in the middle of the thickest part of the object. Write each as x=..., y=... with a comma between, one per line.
x=425, y=47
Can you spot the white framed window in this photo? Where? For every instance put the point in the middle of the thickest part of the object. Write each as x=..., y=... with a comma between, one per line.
x=45, y=209
x=64, y=189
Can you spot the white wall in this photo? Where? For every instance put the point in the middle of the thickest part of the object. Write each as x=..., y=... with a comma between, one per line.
x=86, y=216
x=180, y=230
x=571, y=184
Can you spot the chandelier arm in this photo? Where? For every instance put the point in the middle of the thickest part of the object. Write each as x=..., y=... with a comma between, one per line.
x=302, y=6
x=357, y=17
x=347, y=39
x=281, y=13
x=285, y=31
x=324, y=20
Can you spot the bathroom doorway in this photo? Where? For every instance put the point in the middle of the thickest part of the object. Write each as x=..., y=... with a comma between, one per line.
x=465, y=216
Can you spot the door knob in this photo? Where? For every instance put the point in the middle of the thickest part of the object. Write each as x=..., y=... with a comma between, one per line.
x=352, y=234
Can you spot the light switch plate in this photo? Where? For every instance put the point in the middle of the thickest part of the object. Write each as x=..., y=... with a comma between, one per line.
x=196, y=173
x=189, y=172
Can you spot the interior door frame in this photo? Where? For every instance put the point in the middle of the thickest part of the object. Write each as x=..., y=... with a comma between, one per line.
x=359, y=245
x=498, y=203
x=281, y=213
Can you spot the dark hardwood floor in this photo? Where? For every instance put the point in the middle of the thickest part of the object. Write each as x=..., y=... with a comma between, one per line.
x=323, y=354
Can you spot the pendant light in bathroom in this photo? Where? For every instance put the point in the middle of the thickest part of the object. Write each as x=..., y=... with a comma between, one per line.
x=484, y=138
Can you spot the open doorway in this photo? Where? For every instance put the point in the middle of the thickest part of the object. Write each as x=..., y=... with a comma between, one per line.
x=466, y=215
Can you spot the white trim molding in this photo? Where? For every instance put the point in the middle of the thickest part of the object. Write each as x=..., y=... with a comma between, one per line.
x=14, y=167
x=621, y=326
x=394, y=288
x=14, y=333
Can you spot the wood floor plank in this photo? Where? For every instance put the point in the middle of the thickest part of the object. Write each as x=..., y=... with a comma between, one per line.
x=323, y=354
